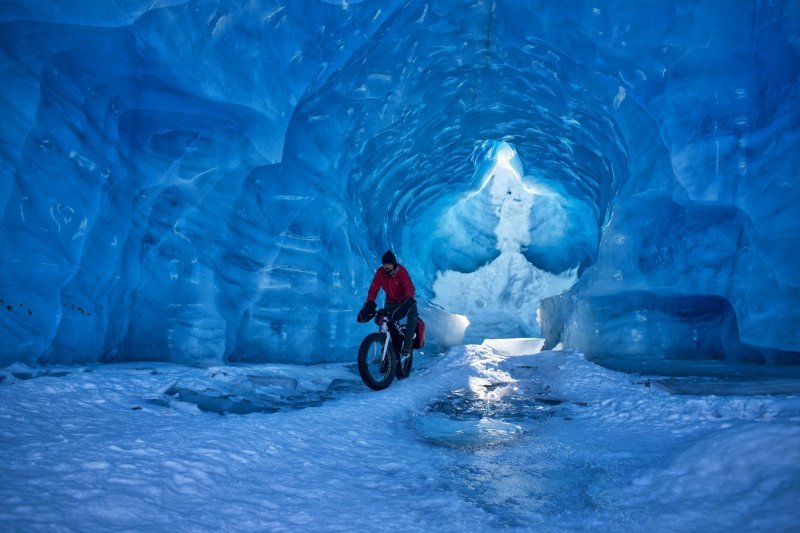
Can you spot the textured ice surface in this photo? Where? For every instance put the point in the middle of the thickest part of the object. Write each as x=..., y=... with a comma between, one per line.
x=475, y=440
x=215, y=181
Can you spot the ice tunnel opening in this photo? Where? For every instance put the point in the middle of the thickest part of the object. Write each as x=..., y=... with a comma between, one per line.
x=499, y=297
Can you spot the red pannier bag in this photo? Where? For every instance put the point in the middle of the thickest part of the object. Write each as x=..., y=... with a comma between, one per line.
x=419, y=339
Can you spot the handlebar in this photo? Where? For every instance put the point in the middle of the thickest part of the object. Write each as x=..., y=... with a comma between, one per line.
x=380, y=315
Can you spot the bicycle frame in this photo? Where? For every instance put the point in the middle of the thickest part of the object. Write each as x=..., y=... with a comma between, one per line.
x=394, y=334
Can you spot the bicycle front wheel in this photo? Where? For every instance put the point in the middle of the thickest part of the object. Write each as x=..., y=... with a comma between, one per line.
x=376, y=371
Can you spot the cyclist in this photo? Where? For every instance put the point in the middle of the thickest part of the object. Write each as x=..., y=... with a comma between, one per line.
x=396, y=283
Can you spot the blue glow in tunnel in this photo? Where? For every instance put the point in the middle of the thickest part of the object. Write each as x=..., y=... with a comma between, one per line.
x=500, y=297
x=216, y=181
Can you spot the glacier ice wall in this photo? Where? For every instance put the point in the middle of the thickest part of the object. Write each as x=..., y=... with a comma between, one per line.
x=216, y=180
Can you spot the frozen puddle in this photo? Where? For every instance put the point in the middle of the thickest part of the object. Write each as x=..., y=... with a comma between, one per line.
x=466, y=433
x=496, y=408
x=506, y=462
x=484, y=437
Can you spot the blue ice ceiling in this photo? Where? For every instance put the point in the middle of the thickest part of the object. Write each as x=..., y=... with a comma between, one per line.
x=216, y=181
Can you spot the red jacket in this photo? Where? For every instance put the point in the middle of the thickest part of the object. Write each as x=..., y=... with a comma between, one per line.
x=397, y=287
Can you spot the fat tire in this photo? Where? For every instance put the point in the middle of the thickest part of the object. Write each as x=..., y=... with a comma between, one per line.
x=363, y=363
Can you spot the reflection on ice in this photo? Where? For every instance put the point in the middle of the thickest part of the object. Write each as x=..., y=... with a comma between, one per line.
x=466, y=433
x=494, y=409
x=523, y=486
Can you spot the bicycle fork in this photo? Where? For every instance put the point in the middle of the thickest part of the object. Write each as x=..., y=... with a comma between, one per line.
x=386, y=342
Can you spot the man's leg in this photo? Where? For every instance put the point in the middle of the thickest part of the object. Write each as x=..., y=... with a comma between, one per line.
x=411, y=328
x=388, y=309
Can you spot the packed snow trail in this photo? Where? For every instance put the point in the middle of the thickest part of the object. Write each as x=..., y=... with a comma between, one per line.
x=479, y=438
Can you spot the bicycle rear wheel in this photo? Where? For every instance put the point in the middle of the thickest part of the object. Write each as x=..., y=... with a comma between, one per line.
x=404, y=365
x=375, y=373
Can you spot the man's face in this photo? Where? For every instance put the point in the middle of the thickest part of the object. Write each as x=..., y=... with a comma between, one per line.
x=388, y=268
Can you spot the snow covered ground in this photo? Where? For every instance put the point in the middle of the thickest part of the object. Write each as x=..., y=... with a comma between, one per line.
x=478, y=438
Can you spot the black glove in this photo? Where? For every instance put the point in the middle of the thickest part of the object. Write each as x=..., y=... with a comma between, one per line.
x=367, y=312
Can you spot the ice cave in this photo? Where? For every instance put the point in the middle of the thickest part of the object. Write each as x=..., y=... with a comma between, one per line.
x=212, y=183
x=216, y=181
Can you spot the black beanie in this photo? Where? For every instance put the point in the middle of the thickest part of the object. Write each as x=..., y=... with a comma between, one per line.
x=389, y=258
